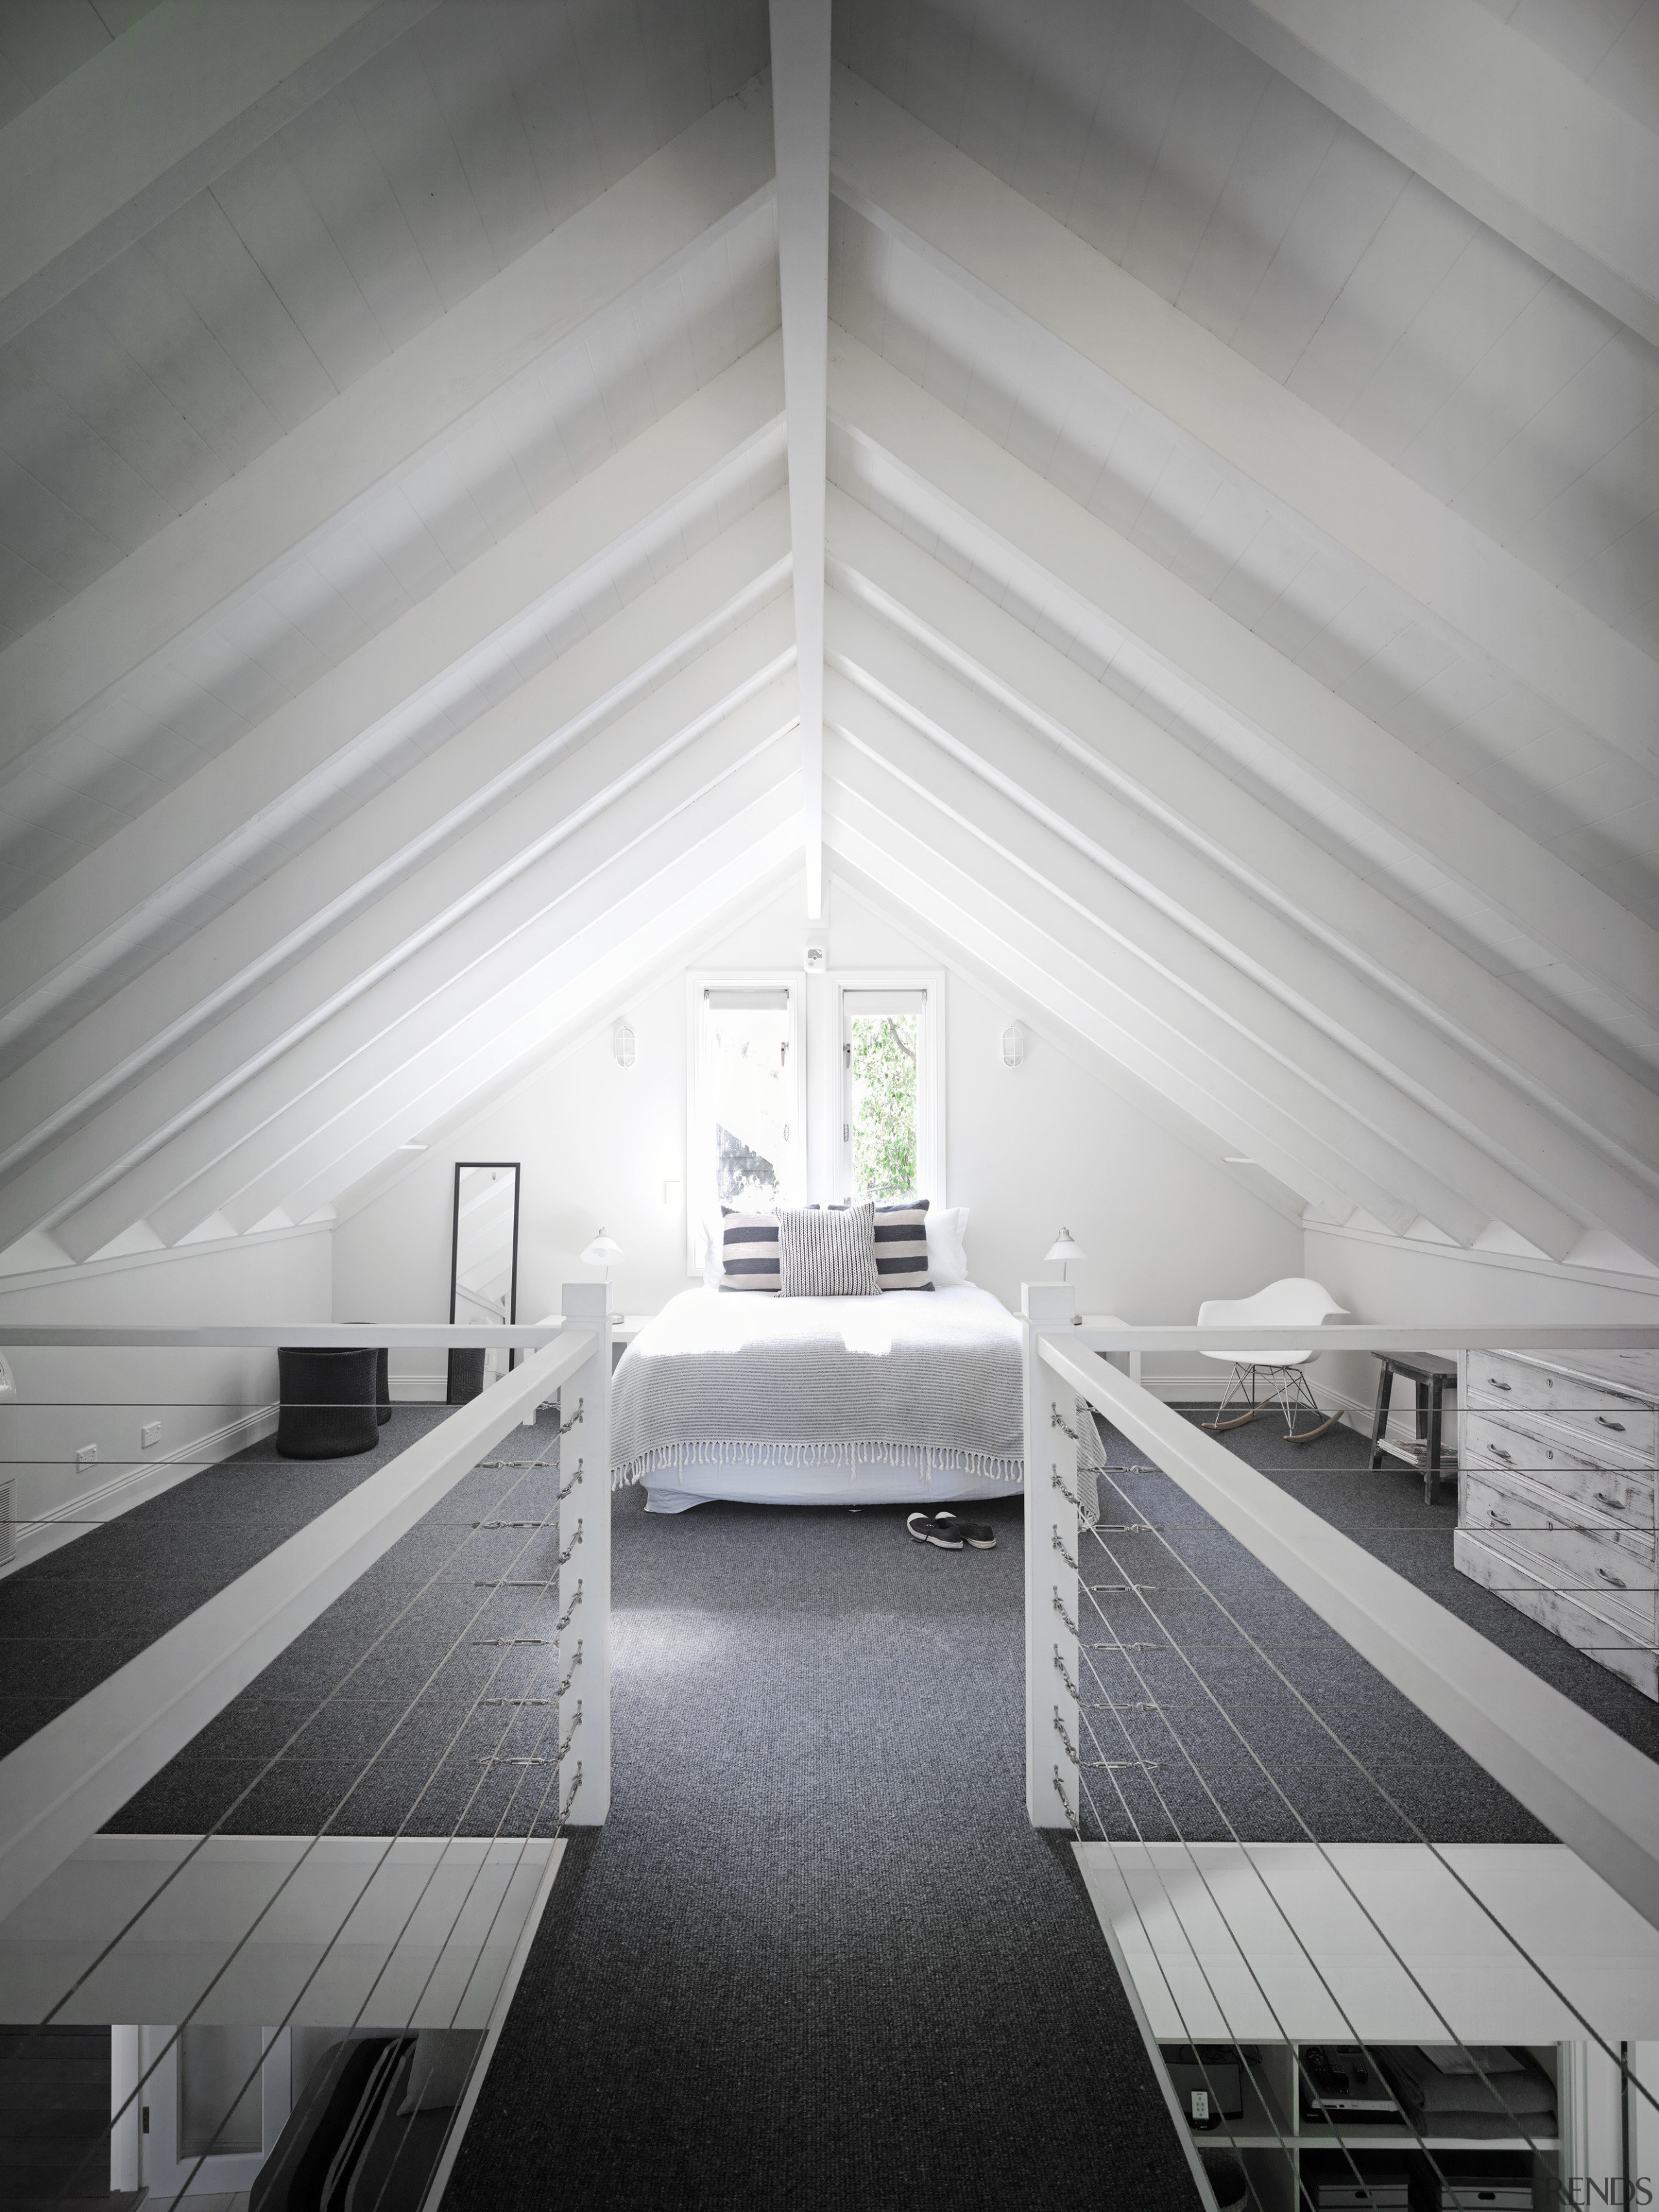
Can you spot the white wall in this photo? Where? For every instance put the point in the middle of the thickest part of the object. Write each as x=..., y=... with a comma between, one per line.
x=1027, y=1150
x=208, y=1403
x=1392, y=1278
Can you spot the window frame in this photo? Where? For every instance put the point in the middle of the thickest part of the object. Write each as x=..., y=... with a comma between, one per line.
x=699, y=1193
x=931, y=1063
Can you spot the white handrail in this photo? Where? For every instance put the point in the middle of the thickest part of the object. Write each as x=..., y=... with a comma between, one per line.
x=308, y=1335
x=1594, y=1790
x=1375, y=1336
x=60, y=1786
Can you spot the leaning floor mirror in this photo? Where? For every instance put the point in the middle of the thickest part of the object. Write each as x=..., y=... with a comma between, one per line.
x=484, y=1273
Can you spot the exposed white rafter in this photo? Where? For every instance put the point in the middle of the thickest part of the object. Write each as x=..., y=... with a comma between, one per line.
x=1413, y=1089
x=629, y=237
x=1385, y=809
x=801, y=103
x=984, y=235
x=190, y=89
x=282, y=784
x=1506, y=1069
x=1501, y=126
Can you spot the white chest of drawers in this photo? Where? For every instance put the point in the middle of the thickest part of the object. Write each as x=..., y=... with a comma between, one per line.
x=1556, y=1497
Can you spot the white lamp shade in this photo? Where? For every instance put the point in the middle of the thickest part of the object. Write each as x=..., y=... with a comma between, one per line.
x=602, y=1252
x=1064, y=1249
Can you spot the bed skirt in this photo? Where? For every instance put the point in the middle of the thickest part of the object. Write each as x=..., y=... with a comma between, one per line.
x=678, y=1476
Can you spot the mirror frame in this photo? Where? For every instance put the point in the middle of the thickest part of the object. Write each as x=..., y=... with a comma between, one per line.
x=462, y=1167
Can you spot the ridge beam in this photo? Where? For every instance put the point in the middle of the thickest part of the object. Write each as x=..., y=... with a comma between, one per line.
x=800, y=107
x=1491, y=120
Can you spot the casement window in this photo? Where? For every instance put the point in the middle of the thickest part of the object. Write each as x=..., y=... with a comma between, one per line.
x=892, y=1124
x=745, y=1126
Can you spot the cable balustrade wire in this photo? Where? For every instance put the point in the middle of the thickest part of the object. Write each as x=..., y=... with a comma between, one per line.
x=516, y=1758
x=1152, y=1726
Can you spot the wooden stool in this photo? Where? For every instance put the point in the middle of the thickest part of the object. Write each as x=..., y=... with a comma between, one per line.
x=1430, y=1377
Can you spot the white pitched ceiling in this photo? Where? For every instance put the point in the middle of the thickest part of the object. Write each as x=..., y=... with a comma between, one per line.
x=371, y=744
x=1316, y=255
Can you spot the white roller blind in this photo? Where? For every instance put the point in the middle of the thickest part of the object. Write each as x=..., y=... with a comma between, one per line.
x=757, y=1001
x=854, y=1003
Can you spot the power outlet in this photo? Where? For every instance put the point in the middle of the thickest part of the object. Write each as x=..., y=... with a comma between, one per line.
x=150, y=1434
x=86, y=1456
x=7, y=1380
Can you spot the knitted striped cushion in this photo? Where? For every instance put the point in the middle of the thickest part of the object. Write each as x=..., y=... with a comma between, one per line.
x=749, y=1251
x=902, y=1247
x=828, y=1252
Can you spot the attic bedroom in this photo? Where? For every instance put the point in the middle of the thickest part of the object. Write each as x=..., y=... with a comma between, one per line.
x=829, y=1166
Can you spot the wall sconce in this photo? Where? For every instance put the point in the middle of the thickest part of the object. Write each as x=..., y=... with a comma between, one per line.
x=818, y=956
x=1013, y=1045
x=622, y=1043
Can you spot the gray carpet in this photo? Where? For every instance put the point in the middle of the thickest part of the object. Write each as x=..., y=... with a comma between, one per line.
x=818, y=1956
x=71, y=1618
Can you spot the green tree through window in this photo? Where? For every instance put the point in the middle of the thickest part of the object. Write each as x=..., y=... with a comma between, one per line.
x=884, y=1071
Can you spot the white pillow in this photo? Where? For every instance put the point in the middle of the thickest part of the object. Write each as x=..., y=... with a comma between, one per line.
x=947, y=1245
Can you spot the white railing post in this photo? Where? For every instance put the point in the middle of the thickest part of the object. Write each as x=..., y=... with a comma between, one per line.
x=587, y=1448
x=1051, y=1593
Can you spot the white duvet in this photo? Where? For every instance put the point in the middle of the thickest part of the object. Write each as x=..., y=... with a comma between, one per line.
x=913, y=1394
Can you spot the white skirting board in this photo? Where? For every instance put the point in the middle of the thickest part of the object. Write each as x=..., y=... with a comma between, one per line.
x=1220, y=1942
x=133, y=1485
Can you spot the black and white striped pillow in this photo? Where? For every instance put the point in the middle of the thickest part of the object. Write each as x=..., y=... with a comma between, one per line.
x=902, y=1247
x=828, y=1252
x=748, y=1252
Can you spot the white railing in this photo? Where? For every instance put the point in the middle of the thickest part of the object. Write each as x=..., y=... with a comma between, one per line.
x=59, y=1787
x=1584, y=1783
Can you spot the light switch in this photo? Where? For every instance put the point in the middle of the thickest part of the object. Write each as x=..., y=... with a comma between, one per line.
x=150, y=1434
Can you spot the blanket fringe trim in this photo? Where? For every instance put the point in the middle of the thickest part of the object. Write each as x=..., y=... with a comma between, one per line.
x=926, y=1460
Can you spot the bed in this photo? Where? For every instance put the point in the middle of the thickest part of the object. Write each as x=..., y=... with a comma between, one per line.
x=910, y=1397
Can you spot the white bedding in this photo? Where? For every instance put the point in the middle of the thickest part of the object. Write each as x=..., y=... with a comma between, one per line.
x=814, y=1401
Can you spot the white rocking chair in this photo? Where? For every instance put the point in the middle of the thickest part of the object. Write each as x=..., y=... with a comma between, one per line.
x=1286, y=1304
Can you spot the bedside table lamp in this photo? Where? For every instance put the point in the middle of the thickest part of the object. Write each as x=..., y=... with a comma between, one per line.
x=604, y=1252
x=1065, y=1250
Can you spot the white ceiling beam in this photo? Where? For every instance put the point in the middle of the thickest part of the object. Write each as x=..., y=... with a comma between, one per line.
x=468, y=884
x=588, y=978
x=625, y=242
x=271, y=792
x=1396, y=816
x=1435, y=1103
x=908, y=180
x=461, y=995
x=1489, y=117
x=980, y=905
x=801, y=109
x=668, y=943
x=1476, y=1014
x=185, y=94
x=1254, y=1049
x=175, y=1037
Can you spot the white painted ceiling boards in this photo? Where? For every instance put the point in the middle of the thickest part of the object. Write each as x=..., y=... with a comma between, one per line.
x=1202, y=569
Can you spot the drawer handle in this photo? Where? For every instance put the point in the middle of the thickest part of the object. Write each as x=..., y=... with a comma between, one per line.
x=1607, y=1576
x=1498, y=1452
x=1497, y=1520
x=1497, y=1385
x=1617, y=1503
x=1607, y=1424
